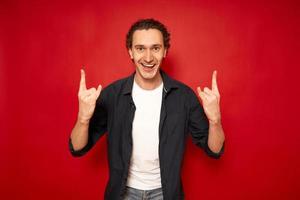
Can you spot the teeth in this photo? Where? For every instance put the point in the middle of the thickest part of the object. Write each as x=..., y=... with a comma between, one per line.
x=148, y=65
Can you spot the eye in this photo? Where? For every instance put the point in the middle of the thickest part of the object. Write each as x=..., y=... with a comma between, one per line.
x=140, y=49
x=156, y=49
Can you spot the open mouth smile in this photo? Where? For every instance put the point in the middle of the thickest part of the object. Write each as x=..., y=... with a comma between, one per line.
x=148, y=65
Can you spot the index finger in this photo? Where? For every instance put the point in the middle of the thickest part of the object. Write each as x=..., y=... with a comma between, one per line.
x=214, y=85
x=82, y=85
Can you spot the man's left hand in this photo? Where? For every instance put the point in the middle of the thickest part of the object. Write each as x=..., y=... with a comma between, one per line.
x=211, y=101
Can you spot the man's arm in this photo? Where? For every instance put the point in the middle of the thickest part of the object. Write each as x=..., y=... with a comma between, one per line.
x=79, y=135
x=211, y=105
x=216, y=137
x=87, y=103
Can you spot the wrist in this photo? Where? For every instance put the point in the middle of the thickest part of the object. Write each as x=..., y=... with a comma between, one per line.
x=215, y=122
x=83, y=121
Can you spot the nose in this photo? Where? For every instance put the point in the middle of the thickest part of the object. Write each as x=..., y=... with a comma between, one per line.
x=148, y=56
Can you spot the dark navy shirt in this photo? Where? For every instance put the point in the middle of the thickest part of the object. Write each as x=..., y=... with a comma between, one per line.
x=181, y=114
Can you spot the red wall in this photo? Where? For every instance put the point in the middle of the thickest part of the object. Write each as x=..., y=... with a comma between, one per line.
x=254, y=46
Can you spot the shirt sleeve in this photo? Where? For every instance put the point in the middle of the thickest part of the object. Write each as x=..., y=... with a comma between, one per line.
x=198, y=126
x=97, y=126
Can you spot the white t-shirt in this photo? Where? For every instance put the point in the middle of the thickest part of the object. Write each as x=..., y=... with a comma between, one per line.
x=144, y=170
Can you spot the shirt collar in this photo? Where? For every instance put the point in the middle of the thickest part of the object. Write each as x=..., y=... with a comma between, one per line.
x=169, y=83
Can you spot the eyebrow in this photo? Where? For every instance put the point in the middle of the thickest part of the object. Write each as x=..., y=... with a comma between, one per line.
x=154, y=45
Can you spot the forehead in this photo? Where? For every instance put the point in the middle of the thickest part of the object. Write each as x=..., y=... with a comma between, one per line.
x=147, y=37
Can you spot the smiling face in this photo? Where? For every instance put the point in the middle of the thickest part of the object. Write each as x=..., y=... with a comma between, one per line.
x=147, y=53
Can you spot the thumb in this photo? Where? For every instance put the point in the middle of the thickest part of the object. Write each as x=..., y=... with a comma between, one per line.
x=200, y=93
x=198, y=89
x=98, y=91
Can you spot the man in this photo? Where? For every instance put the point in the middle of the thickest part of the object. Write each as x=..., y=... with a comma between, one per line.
x=147, y=117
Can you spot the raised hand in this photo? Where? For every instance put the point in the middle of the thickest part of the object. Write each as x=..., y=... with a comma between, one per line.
x=87, y=99
x=211, y=100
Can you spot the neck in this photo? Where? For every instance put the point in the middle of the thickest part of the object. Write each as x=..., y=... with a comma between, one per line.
x=148, y=84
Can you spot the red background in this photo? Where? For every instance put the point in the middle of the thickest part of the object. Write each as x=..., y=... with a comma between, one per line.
x=253, y=45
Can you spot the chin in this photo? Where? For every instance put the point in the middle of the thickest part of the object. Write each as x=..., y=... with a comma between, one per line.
x=149, y=76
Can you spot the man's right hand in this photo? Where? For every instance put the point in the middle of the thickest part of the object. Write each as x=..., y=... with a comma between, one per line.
x=87, y=100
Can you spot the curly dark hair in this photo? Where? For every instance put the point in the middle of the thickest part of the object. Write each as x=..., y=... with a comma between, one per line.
x=145, y=24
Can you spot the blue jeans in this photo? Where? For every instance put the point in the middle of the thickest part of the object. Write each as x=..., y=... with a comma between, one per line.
x=136, y=194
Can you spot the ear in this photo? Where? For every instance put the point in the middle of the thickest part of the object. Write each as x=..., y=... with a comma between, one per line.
x=130, y=53
x=165, y=53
